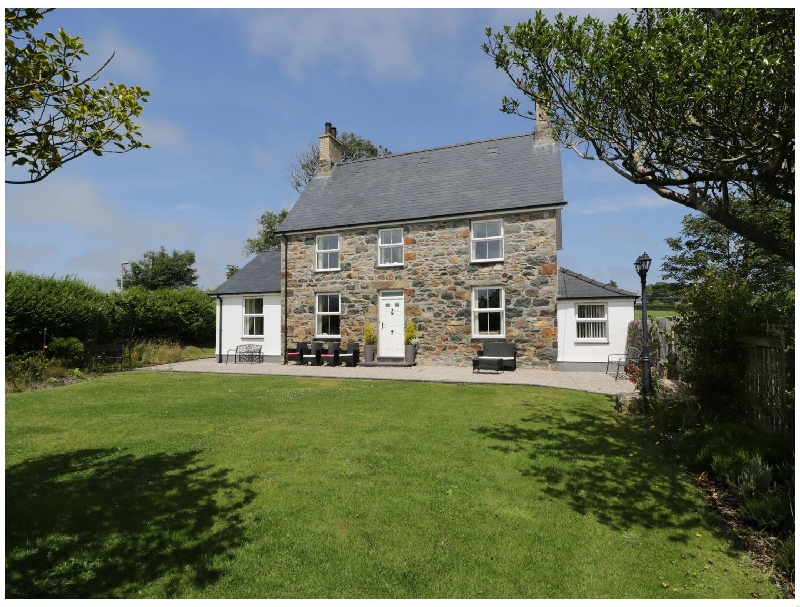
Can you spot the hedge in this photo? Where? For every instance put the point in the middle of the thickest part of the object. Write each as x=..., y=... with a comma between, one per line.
x=40, y=308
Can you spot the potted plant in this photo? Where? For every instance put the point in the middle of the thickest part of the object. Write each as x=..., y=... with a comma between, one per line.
x=369, y=343
x=411, y=342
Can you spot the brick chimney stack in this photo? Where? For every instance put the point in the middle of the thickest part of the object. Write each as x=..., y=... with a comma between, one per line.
x=330, y=150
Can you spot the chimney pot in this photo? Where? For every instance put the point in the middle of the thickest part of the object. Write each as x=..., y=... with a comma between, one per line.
x=330, y=150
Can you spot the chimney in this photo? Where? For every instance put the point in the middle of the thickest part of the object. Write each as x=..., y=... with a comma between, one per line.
x=542, y=133
x=330, y=150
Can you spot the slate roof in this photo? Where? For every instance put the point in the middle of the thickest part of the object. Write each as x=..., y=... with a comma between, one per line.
x=506, y=173
x=572, y=285
x=262, y=274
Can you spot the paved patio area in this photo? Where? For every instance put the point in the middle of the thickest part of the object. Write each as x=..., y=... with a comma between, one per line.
x=589, y=382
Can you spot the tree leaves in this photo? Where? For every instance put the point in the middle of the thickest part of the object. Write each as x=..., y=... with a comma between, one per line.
x=696, y=105
x=53, y=114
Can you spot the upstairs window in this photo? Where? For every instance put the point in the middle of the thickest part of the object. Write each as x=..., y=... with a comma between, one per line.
x=328, y=252
x=390, y=247
x=591, y=322
x=328, y=315
x=253, y=317
x=488, y=312
x=487, y=240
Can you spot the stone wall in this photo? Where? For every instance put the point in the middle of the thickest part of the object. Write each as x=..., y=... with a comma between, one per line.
x=437, y=279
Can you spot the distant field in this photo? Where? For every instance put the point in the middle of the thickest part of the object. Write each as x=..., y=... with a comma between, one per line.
x=657, y=313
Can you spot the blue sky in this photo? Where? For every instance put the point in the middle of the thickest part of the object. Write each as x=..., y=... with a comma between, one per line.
x=236, y=93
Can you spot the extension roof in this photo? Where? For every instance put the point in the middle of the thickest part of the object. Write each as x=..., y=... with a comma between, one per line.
x=572, y=285
x=262, y=274
x=500, y=174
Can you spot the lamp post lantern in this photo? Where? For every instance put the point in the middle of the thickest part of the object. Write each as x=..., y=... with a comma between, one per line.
x=122, y=279
x=642, y=265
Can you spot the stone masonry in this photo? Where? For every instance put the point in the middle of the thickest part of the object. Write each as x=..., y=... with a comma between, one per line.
x=437, y=279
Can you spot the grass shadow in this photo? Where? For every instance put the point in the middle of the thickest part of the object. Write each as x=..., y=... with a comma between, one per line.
x=103, y=523
x=600, y=466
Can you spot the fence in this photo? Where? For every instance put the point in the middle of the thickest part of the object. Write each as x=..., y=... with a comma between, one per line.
x=766, y=379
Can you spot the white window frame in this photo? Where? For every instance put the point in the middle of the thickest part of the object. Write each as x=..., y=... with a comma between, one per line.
x=476, y=240
x=476, y=312
x=394, y=245
x=318, y=315
x=326, y=254
x=251, y=315
x=593, y=325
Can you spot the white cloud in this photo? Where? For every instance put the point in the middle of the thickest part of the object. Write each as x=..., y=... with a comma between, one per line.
x=69, y=203
x=164, y=134
x=384, y=44
x=617, y=203
x=130, y=61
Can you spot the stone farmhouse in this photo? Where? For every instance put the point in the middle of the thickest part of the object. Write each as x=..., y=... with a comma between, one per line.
x=462, y=240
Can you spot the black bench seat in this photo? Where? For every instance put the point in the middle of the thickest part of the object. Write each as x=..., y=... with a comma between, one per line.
x=496, y=356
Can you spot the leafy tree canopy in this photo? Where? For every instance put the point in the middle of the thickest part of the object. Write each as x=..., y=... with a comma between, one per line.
x=266, y=238
x=160, y=270
x=306, y=163
x=53, y=114
x=698, y=105
x=705, y=245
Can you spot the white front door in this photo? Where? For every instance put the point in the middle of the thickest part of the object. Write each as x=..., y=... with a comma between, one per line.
x=391, y=338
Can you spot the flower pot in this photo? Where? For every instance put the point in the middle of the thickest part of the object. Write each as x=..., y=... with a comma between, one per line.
x=369, y=353
x=411, y=353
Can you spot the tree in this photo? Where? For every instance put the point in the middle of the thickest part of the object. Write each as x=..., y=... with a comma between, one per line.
x=306, y=163
x=704, y=245
x=159, y=270
x=230, y=270
x=54, y=115
x=697, y=105
x=266, y=238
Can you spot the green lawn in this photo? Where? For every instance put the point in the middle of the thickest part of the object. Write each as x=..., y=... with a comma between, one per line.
x=195, y=486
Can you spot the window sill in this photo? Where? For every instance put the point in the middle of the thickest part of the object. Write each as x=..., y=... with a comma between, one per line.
x=328, y=270
x=327, y=338
x=391, y=265
x=500, y=260
x=591, y=341
x=252, y=337
x=489, y=336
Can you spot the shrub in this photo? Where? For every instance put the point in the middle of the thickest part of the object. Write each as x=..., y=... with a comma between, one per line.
x=369, y=334
x=70, y=349
x=24, y=369
x=186, y=315
x=784, y=558
x=772, y=512
x=410, y=333
x=40, y=306
x=755, y=479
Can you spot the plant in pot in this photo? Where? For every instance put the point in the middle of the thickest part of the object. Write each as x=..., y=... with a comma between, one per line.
x=411, y=342
x=369, y=343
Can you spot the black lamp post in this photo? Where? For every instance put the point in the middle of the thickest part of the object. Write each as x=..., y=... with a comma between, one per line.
x=642, y=265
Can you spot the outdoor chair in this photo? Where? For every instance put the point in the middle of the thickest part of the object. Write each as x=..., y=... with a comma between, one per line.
x=331, y=356
x=350, y=356
x=313, y=355
x=623, y=362
x=297, y=354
